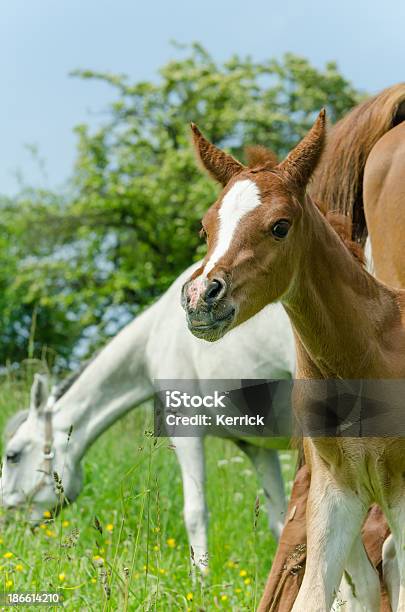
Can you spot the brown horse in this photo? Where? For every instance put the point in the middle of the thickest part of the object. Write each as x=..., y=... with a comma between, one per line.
x=369, y=141
x=267, y=241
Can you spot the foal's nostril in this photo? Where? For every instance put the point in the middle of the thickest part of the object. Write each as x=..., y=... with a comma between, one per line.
x=215, y=288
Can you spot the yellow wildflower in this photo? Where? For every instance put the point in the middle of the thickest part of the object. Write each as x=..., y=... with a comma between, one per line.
x=238, y=590
x=231, y=563
x=42, y=526
x=156, y=548
x=189, y=597
x=93, y=580
x=109, y=527
x=47, y=514
x=8, y=555
x=171, y=542
x=50, y=533
x=19, y=567
x=61, y=577
x=243, y=573
x=247, y=581
x=65, y=523
x=98, y=558
x=162, y=570
x=224, y=597
x=9, y=583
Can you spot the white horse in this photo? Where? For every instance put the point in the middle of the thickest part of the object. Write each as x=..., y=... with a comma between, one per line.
x=156, y=345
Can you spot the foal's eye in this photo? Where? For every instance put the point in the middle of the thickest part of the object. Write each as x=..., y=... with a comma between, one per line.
x=280, y=228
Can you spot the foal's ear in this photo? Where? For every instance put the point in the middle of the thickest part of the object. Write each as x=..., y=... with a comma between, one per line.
x=220, y=165
x=39, y=392
x=302, y=160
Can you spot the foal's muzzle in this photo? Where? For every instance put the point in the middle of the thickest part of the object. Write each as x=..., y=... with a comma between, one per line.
x=208, y=307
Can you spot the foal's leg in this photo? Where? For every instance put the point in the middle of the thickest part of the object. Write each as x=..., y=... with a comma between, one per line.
x=190, y=454
x=360, y=587
x=334, y=520
x=267, y=464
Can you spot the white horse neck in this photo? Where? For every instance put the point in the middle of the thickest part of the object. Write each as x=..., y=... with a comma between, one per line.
x=113, y=383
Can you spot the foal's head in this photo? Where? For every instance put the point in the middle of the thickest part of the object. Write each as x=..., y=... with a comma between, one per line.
x=255, y=233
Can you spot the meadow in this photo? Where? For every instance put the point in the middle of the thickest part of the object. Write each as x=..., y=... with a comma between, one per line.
x=123, y=546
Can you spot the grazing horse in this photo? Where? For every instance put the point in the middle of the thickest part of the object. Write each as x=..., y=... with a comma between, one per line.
x=268, y=241
x=154, y=346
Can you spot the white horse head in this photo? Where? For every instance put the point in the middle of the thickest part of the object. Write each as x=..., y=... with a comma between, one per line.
x=39, y=469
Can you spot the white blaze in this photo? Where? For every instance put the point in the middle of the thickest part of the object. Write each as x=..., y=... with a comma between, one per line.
x=241, y=199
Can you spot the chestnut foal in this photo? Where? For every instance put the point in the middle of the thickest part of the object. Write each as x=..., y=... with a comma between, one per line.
x=268, y=241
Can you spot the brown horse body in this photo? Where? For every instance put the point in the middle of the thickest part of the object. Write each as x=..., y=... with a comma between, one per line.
x=384, y=206
x=268, y=241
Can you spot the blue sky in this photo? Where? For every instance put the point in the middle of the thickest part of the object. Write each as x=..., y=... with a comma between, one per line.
x=42, y=40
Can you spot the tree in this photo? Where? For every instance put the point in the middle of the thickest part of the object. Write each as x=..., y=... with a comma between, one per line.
x=130, y=222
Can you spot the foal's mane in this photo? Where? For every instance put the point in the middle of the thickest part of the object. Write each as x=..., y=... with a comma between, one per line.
x=338, y=179
x=343, y=227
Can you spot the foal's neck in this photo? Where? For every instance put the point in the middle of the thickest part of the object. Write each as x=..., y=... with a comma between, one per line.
x=342, y=316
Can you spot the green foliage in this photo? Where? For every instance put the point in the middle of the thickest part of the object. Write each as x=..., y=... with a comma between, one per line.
x=129, y=224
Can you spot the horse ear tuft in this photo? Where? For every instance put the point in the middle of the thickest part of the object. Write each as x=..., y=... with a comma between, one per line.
x=220, y=165
x=39, y=392
x=258, y=155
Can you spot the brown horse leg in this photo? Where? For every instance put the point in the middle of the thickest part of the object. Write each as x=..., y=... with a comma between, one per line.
x=288, y=566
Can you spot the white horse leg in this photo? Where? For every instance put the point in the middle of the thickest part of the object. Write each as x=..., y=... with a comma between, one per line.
x=334, y=519
x=396, y=520
x=267, y=465
x=391, y=571
x=360, y=587
x=190, y=454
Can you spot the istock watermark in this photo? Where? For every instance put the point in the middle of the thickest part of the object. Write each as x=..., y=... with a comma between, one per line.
x=230, y=408
x=176, y=399
x=280, y=408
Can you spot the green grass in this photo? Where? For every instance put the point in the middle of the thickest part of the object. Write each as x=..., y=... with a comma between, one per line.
x=141, y=559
